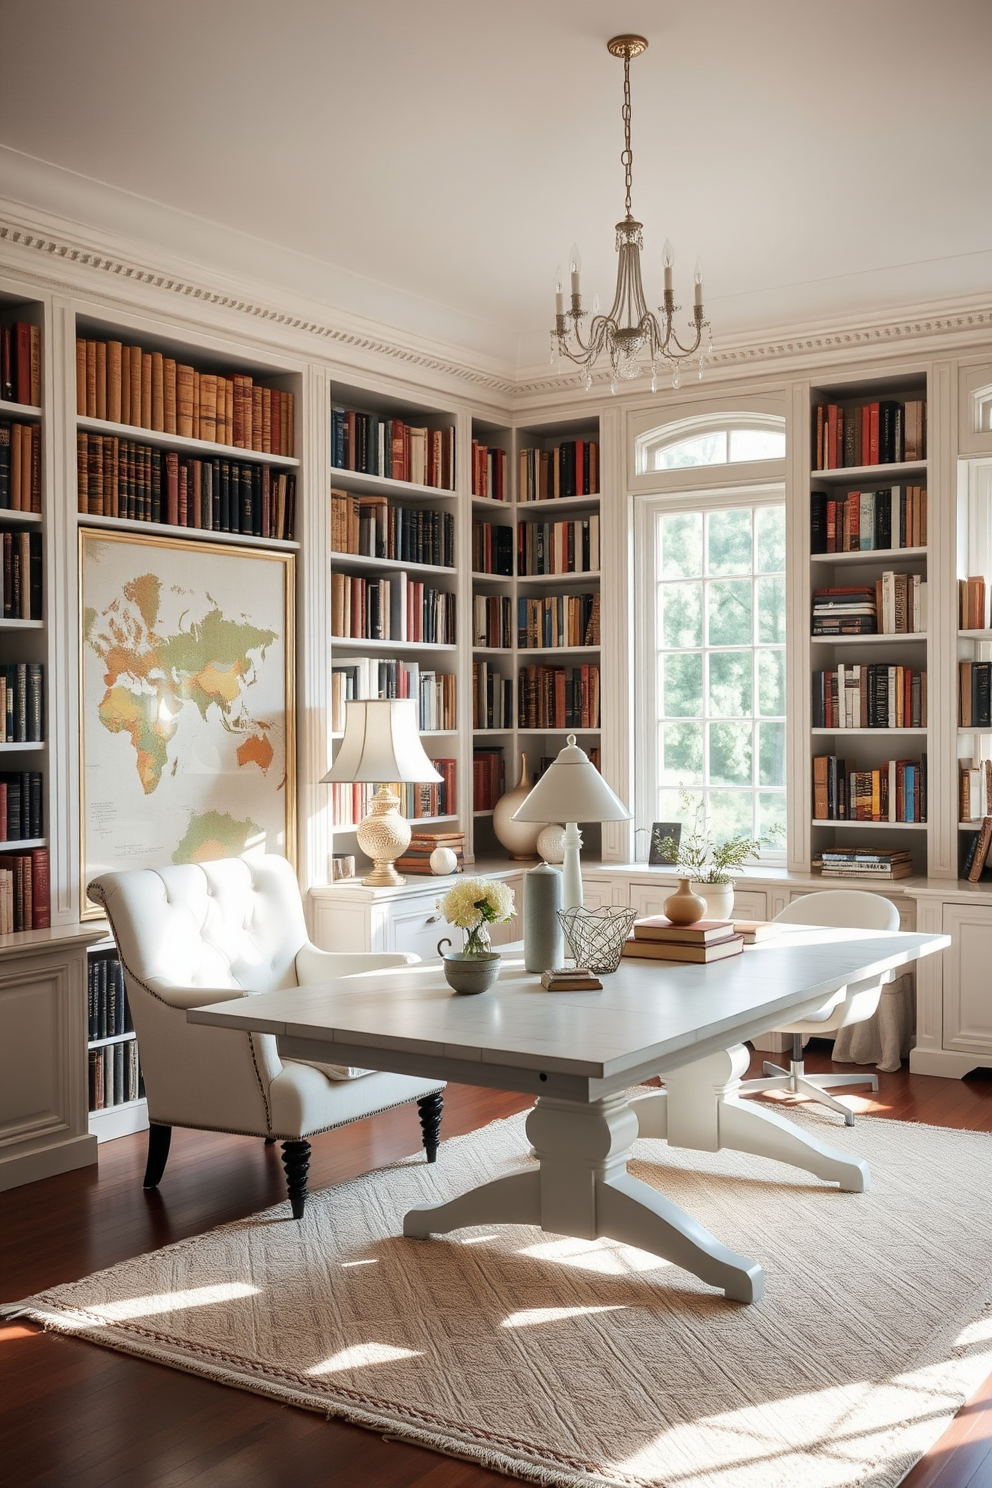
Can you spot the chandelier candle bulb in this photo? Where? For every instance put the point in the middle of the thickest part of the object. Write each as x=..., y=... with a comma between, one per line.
x=559, y=294
x=576, y=258
x=668, y=260
x=698, y=276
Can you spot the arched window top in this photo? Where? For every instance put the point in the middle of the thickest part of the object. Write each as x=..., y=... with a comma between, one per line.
x=711, y=439
x=982, y=403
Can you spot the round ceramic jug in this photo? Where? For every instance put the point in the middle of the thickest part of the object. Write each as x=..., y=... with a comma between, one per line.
x=518, y=837
x=684, y=907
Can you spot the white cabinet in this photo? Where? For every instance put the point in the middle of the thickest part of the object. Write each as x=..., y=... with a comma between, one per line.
x=967, y=987
x=416, y=925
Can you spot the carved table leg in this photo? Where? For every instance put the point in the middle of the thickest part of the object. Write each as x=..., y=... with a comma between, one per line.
x=430, y=1108
x=296, y=1161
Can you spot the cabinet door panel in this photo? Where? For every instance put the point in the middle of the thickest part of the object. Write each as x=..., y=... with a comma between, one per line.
x=967, y=992
x=417, y=926
x=750, y=904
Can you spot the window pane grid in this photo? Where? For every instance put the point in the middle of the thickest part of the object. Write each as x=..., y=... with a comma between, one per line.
x=719, y=666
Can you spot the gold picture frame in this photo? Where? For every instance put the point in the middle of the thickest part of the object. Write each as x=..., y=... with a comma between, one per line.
x=187, y=702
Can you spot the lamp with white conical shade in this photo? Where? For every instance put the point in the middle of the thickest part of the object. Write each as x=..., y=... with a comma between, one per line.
x=572, y=790
x=381, y=744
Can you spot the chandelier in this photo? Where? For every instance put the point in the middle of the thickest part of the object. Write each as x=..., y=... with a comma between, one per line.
x=634, y=338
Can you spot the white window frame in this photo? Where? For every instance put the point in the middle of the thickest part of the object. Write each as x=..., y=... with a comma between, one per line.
x=665, y=435
x=646, y=509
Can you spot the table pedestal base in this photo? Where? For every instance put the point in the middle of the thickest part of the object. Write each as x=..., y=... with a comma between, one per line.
x=699, y=1108
x=582, y=1189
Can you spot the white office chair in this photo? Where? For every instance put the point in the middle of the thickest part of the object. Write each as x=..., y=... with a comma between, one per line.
x=209, y=932
x=852, y=1004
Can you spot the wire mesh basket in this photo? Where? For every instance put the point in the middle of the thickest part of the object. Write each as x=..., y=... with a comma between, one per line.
x=595, y=937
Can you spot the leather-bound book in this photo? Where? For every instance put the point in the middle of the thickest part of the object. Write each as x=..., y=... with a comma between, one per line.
x=82, y=471
x=172, y=488
x=22, y=362
x=266, y=445
x=184, y=400
x=257, y=418
x=169, y=395
x=114, y=381
x=146, y=390
x=110, y=477
x=208, y=408
x=101, y=379
x=80, y=374
x=91, y=379
x=158, y=392
x=125, y=384
x=134, y=371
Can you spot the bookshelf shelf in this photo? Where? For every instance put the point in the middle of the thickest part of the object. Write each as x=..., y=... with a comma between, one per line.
x=22, y=624
x=872, y=475
x=890, y=638
x=365, y=643
x=386, y=485
x=19, y=748
x=198, y=534
x=360, y=562
x=870, y=733
x=557, y=578
x=871, y=826
x=205, y=448
x=19, y=410
x=557, y=503
x=115, y=1038
x=493, y=578
x=559, y=650
x=9, y=517
x=23, y=844
x=870, y=555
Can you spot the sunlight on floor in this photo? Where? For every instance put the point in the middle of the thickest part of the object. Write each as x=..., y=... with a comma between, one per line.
x=472, y=1239
x=372, y=1261
x=534, y=1315
x=361, y=1354
x=139, y=1307
x=608, y=1257
x=11, y=1331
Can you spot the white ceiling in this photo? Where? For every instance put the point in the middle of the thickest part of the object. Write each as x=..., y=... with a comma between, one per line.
x=429, y=162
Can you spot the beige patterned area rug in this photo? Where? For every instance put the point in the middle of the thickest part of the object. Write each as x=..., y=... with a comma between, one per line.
x=566, y=1362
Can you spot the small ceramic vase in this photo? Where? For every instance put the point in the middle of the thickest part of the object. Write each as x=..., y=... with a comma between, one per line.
x=719, y=899
x=518, y=837
x=684, y=907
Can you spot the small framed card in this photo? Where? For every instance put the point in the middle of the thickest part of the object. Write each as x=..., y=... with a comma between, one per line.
x=660, y=855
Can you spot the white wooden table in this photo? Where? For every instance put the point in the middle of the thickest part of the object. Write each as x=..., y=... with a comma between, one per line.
x=579, y=1053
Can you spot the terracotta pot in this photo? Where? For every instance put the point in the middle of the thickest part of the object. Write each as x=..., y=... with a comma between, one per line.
x=684, y=907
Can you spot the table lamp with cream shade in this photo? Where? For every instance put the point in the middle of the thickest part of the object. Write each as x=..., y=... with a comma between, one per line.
x=382, y=744
x=572, y=790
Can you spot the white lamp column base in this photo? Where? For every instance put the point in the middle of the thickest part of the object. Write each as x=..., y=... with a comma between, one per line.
x=384, y=836
x=571, y=872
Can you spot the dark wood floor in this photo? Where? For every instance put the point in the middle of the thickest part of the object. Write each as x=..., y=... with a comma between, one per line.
x=76, y=1416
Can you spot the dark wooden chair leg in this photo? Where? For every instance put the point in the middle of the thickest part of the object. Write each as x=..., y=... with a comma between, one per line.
x=159, y=1139
x=270, y=1141
x=430, y=1108
x=296, y=1161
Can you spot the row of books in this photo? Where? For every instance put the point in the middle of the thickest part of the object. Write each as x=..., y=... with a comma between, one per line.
x=863, y=862
x=22, y=813
x=492, y=697
x=973, y=604
x=114, y=1075
x=352, y=801
x=895, y=604
x=108, y=1012
x=974, y=789
x=895, y=791
x=869, y=521
x=20, y=364
x=975, y=694
x=128, y=385
x=119, y=478
x=875, y=696
x=570, y=469
x=417, y=858
x=558, y=697
x=489, y=467
x=492, y=620
x=974, y=850
x=20, y=467
x=376, y=676
x=20, y=575
x=558, y=547
x=881, y=433
x=371, y=445
x=395, y=609
x=373, y=527
x=25, y=902
x=492, y=548
x=21, y=702
x=488, y=778
x=558, y=620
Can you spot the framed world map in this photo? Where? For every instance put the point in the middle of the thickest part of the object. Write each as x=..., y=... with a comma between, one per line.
x=187, y=712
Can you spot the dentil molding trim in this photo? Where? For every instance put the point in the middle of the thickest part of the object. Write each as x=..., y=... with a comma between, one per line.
x=66, y=243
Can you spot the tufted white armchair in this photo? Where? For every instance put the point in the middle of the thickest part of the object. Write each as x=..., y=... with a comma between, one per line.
x=202, y=933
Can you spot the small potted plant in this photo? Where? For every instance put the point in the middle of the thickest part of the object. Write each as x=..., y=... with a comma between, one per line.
x=708, y=867
x=473, y=905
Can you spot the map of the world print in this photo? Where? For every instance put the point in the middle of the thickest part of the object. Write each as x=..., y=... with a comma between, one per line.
x=186, y=715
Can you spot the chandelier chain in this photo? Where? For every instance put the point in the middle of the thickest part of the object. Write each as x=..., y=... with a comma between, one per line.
x=627, y=158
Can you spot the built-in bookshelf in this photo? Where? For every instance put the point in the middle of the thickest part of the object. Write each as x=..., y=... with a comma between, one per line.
x=395, y=585
x=494, y=566
x=25, y=784
x=115, y=1090
x=868, y=628
x=183, y=438
x=974, y=692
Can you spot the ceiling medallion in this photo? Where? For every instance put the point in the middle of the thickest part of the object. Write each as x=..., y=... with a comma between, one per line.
x=633, y=337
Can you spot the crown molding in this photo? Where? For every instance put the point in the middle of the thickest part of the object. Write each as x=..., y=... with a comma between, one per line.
x=67, y=257
x=927, y=330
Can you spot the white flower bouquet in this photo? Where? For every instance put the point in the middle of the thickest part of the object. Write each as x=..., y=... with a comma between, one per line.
x=475, y=903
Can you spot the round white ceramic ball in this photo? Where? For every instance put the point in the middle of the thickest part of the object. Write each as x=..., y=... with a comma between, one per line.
x=443, y=860
x=551, y=843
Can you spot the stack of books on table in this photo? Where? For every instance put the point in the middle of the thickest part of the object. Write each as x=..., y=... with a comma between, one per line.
x=571, y=979
x=657, y=939
x=863, y=862
x=417, y=858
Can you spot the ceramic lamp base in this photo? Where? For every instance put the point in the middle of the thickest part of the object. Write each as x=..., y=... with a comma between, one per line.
x=384, y=836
